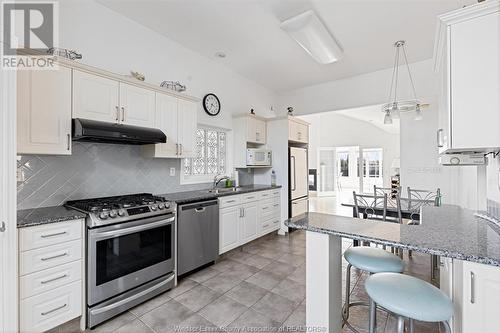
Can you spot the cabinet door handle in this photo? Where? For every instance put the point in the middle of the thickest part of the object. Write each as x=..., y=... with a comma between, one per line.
x=439, y=138
x=472, y=288
x=54, y=279
x=123, y=113
x=229, y=201
x=54, y=257
x=117, y=113
x=68, y=137
x=2, y=226
x=176, y=149
x=241, y=212
x=182, y=148
x=53, y=310
x=53, y=235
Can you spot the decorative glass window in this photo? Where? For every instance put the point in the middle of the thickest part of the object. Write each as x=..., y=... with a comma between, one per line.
x=343, y=158
x=210, y=153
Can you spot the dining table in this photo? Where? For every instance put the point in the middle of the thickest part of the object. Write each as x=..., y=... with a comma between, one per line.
x=410, y=208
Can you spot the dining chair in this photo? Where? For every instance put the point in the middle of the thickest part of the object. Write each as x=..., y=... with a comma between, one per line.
x=393, y=200
x=373, y=206
x=419, y=198
x=416, y=200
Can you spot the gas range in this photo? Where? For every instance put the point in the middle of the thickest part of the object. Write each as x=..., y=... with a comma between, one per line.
x=118, y=209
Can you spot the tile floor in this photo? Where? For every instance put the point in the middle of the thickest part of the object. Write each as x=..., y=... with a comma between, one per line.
x=260, y=285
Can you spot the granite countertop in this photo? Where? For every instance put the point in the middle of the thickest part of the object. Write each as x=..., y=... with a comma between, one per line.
x=199, y=195
x=448, y=231
x=45, y=215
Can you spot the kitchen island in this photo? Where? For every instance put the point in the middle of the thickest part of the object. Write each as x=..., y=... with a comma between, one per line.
x=447, y=231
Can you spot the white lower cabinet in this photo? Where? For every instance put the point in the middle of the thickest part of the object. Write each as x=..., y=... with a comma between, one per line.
x=481, y=298
x=51, y=275
x=475, y=291
x=248, y=222
x=245, y=217
x=229, y=228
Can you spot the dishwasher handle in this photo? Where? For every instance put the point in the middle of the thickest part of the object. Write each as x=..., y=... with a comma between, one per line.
x=198, y=206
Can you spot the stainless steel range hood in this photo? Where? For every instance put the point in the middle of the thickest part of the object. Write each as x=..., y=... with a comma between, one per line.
x=100, y=131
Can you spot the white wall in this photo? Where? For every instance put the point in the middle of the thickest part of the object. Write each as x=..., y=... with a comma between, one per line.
x=334, y=130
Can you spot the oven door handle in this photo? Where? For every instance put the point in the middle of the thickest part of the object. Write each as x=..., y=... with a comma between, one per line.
x=130, y=230
x=131, y=298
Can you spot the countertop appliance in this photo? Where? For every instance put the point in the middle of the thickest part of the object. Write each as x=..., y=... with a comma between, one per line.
x=197, y=235
x=298, y=174
x=100, y=131
x=259, y=157
x=130, y=252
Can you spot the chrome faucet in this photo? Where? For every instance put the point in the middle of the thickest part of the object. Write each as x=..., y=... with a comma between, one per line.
x=218, y=179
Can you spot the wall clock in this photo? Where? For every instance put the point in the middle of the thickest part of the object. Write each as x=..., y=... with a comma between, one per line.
x=211, y=104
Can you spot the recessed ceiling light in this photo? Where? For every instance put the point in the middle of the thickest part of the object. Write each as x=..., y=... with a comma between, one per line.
x=220, y=54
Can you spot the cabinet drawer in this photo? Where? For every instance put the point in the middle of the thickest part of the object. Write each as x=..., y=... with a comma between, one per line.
x=249, y=197
x=275, y=193
x=50, y=256
x=49, y=234
x=270, y=224
x=48, y=279
x=231, y=200
x=45, y=311
x=268, y=209
x=265, y=195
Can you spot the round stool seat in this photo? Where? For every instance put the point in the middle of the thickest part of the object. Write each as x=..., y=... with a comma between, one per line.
x=373, y=260
x=409, y=297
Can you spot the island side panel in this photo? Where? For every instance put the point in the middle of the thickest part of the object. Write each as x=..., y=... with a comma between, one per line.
x=323, y=282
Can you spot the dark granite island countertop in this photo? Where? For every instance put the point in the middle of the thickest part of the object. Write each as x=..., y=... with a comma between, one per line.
x=448, y=231
x=199, y=195
x=45, y=215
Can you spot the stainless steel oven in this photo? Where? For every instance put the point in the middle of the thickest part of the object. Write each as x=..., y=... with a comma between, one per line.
x=131, y=251
x=122, y=257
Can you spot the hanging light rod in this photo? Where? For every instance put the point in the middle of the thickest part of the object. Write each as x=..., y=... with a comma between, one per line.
x=394, y=107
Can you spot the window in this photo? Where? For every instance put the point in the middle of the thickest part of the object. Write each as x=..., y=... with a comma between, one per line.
x=372, y=162
x=343, y=158
x=210, y=155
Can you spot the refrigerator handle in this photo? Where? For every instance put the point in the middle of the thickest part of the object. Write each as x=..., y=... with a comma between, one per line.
x=294, y=175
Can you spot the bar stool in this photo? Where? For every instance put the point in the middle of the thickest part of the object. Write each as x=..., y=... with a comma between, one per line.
x=371, y=260
x=407, y=297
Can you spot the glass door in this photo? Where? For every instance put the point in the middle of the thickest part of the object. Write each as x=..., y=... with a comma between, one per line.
x=370, y=169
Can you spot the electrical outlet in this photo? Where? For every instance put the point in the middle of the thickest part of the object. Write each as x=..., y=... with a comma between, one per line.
x=172, y=172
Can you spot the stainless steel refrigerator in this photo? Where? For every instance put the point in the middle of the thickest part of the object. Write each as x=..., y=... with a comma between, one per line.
x=298, y=172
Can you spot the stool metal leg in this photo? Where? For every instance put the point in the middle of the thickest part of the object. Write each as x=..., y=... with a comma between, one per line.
x=401, y=324
x=411, y=323
x=345, y=310
x=447, y=328
x=373, y=317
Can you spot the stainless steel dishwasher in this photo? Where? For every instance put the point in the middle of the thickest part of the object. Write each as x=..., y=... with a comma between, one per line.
x=197, y=235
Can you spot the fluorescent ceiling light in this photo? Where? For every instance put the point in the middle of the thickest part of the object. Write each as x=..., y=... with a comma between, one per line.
x=307, y=30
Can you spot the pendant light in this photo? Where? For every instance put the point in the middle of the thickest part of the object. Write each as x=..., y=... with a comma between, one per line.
x=394, y=107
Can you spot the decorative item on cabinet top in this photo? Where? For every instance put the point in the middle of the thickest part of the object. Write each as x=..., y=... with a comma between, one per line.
x=138, y=76
x=65, y=53
x=173, y=85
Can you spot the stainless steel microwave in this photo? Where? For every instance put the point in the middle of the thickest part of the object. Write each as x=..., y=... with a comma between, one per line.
x=259, y=157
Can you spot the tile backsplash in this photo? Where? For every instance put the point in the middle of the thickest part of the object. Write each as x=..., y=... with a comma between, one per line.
x=94, y=170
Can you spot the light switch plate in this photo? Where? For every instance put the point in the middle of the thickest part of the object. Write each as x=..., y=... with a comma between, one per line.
x=172, y=172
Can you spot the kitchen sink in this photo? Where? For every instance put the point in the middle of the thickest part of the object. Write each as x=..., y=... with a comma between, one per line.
x=224, y=190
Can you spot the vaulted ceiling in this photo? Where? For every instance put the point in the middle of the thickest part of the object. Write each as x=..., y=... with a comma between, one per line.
x=248, y=32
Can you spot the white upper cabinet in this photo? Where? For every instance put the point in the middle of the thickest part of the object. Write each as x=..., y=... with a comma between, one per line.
x=467, y=56
x=177, y=118
x=137, y=105
x=44, y=112
x=95, y=97
x=256, y=130
x=187, y=120
x=165, y=120
x=298, y=130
